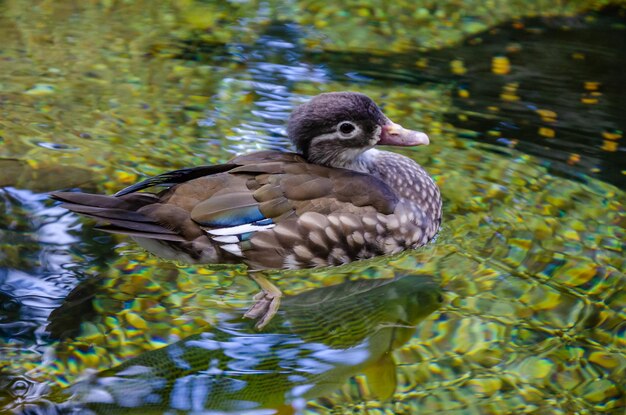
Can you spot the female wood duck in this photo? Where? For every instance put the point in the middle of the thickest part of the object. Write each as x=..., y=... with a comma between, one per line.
x=335, y=201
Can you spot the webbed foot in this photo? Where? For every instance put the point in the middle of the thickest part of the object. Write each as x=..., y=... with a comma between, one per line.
x=266, y=303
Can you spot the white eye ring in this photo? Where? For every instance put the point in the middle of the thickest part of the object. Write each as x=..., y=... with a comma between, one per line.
x=347, y=129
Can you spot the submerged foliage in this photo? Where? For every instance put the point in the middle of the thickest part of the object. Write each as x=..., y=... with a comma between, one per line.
x=100, y=94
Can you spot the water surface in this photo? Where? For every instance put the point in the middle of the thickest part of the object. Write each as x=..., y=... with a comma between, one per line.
x=527, y=148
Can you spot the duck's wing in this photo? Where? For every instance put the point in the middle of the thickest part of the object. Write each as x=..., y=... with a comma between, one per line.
x=280, y=214
x=128, y=211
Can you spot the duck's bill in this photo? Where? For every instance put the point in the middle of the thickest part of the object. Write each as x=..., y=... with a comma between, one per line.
x=394, y=134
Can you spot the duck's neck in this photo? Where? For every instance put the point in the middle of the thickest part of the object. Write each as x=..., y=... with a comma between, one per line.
x=365, y=162
x=402, y=174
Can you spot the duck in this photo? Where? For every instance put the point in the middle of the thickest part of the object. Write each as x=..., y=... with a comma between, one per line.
x=338, y=198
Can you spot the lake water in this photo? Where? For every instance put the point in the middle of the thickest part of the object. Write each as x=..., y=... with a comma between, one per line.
x=525, y=116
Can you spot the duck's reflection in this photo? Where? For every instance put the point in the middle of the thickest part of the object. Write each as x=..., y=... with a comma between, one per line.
x=316, y=342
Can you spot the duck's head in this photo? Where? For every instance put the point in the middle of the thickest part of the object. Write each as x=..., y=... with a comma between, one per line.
x=335, y=128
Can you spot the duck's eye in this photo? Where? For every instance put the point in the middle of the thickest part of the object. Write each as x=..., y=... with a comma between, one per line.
x=346, y=128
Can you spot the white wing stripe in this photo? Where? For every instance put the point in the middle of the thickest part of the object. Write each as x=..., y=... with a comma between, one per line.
x=228, y=239
x=233, y=249
x=240, y=229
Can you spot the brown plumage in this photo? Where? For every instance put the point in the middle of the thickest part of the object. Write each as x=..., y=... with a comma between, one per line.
x=337, y=200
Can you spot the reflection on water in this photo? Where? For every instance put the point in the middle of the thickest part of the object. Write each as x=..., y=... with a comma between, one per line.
x=318, y=340
x=101, y=95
